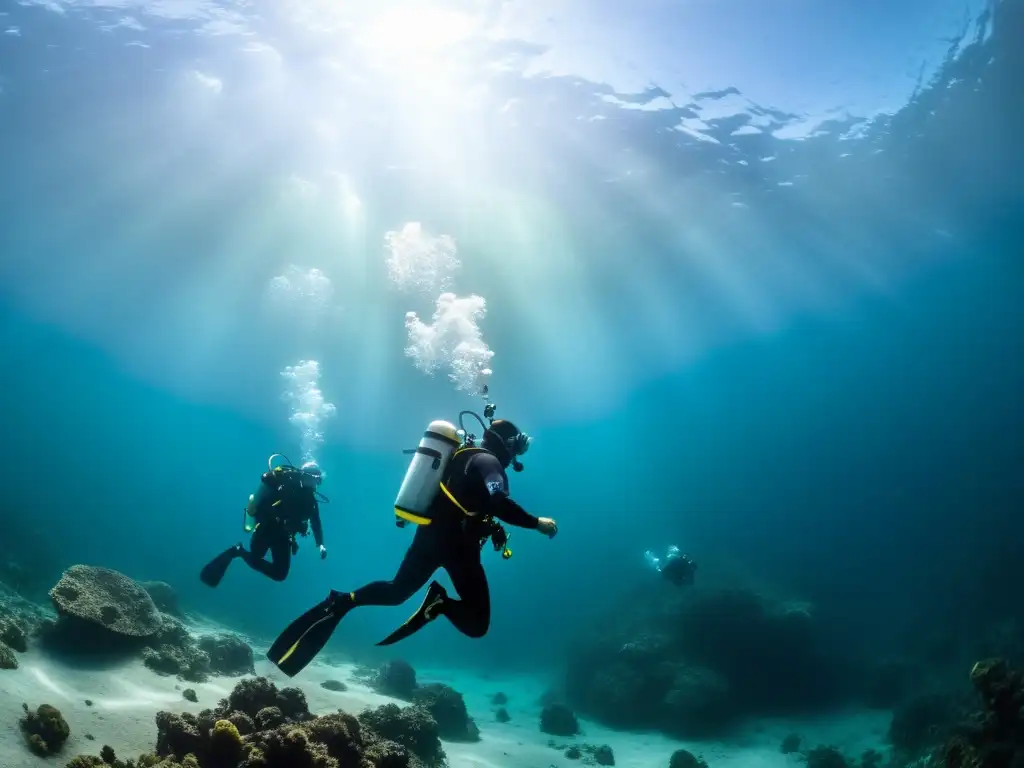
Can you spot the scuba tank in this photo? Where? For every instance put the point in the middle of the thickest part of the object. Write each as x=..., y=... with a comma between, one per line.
x=422, y=480
x=259, y=498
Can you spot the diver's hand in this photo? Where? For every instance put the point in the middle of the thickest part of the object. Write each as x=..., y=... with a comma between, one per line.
x=547, y=526
x=323, y=552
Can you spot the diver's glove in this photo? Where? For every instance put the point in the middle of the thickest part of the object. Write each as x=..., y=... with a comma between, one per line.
x=547, y=526
x=323, y=552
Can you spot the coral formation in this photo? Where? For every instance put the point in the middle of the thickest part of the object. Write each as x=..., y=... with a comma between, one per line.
x=603, y=755
x=104, y=597
x=45, y=730
x=173, y=651
x=226, y=737
x=185, y=661
x=993, y=737
x=412, y=727
x=499, y=699
x=559, y=720
x=13, y=635
x=229, y=655
x=189, y=694
x=7, y=657
x=102, y=611
x=448, y=708
x=502, y=715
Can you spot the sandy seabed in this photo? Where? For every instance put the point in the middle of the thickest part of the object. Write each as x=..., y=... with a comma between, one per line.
x=116, y=705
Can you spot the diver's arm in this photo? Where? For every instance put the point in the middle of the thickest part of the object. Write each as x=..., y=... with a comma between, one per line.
x=314, y=523
x=509, y=511
x=491, y=476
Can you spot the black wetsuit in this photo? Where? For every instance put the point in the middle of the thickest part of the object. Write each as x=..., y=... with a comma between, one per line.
x=679, y=570
x=280, y=523
x=453, y=541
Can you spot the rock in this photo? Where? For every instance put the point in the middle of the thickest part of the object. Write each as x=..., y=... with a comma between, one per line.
x=189, y=694
x=334, y=685
x=697, y=703
x=574, y=752
x=13, y=635
x=396, y=678
x=164, y=596
x=7, y=658
x=502, y=715
x=826, y=757
x=600, y=754
x=45, y=730
x=106, y=598
x=499, y=699
x=683, y=759
x=790, y=744
x=229, y=655
x=448, y=709
x=559, y=720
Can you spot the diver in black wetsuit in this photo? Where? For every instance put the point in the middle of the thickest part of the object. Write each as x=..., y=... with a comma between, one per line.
x=677, y=568
x=462, y=519
x=284, y=506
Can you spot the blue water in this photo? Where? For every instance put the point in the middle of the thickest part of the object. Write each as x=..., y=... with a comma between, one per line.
x=792, y=349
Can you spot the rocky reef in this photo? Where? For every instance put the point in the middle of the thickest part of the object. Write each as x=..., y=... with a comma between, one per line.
x=992, y=737
x=693, y=664
x=103, y=611
x=261, y=726
x=444, y=704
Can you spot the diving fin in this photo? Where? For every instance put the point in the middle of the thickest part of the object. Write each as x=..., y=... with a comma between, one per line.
x=429, y=610
x=305, y=637
x=214, y=570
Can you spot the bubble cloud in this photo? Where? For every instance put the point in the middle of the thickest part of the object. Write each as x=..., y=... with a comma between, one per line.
x=420, y=262
x=453, y=341
x=303, y=293
x=309, y=408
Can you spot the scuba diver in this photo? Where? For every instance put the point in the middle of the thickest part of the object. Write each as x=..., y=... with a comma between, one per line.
x=677, y=568
x=455, y=492
x=286, y=504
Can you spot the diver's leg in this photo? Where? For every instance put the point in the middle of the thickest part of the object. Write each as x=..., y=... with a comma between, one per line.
x=421, y=560
x=280, y=557
x=269, y=536
x=471, y=613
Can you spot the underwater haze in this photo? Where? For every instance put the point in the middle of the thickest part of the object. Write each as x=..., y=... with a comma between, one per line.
x=748, y=273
